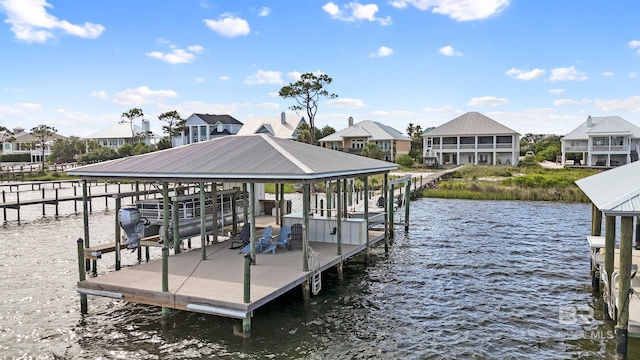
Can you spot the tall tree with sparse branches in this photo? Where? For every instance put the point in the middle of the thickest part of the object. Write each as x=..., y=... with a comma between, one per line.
x=130, y=117
x=43, y=133
x=175, y=124
x=307, y=92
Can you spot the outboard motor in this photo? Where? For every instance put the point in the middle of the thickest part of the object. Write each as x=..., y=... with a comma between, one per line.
x=133, y=225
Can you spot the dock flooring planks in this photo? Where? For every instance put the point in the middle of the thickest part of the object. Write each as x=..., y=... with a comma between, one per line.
x=218, y=280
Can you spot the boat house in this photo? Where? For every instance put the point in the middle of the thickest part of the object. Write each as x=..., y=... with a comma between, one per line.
x=217, y=279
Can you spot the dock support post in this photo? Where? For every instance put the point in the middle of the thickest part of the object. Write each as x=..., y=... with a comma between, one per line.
x=214, y=213
x=18, y=204
x=118, y=233
x=43, y=208
x=344, y=197
x=387, y=210
x=596, y=230
x=283, y=205
x=252, y=212
x=624, y=284
x=596, y=221
x=339, y=209
x=391, y=211
x=203, y=224
x=340, y=271
x=247, y=278
x=85, y=215
x=175, y=216
x=407, y=200
x=82, y=275
x=4, y=209
x=637, y=232
x=305, y=229
x=609, y=245
x=57, y=212
x=306, y=289
x=165, y=280
x=366, y=219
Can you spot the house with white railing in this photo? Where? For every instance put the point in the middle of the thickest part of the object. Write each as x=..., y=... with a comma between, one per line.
x=117, y=135
x=23, y=142
x=203, y=127
x=471, y=138
x=602, y=141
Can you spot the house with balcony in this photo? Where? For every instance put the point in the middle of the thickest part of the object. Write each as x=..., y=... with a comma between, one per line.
x=391, y=142
x=602, y=141
x=23, y=142
x=119, y=134
x=471, y=138
x=203, y=127
x=284, y=127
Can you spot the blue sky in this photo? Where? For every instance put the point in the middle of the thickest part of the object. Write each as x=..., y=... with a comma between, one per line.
x=535, y=66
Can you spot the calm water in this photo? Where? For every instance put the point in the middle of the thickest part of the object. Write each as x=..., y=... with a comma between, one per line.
x=475, y=280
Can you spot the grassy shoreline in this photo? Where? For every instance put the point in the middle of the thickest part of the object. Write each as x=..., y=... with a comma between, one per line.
x=527, y=183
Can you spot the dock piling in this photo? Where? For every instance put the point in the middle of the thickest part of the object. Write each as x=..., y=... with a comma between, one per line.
x=165, y=280
x=81, y=275
x=624, y=284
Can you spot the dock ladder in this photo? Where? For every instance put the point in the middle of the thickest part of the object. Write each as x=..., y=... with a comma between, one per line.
x=314, y=265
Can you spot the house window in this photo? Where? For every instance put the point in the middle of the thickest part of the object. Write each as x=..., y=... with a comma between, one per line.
x=334, y=145
x=357, y=143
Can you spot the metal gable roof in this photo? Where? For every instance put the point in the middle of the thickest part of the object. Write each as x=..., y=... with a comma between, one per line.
x=214, y=119
x=471, y=123
x=237, y=157
x=367, y=128
x=615, y=191
x=602, y=125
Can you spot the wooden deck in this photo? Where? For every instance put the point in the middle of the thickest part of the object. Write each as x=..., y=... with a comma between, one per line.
x=216, y=284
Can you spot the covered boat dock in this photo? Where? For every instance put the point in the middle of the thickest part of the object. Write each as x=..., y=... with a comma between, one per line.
x=615, y=193
x=217, y=280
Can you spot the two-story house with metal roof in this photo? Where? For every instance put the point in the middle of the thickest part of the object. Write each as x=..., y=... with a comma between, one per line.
x=117, y=135
x=203, y=127
x=602, y=141
x=354, y=138
x=471, y=138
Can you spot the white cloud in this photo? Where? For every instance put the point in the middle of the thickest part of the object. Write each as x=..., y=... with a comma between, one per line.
x=141, y=95
x=99, y=94
x=224, y=78
x=31, y=22
x=264, y=77
x=392, y=114
x=487, y=101
x=177, y=56
x=631, y=104
x=383, y=51
x=449, y=51
x=345, y=103
x=21, y=109
x=525, y=75
x=229, y=25
x=632, y=74
x=355, y=12
x=567, y=74
x=608, y=73
x=294, y=75
x=264, y=11
x=564, y=102
x=200, y=80
x=556, y=91
x=634, y=44
x=459, y=10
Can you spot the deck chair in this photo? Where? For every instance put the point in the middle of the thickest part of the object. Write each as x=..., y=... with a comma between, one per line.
x=262, y=242
x=243, y=238
x=282, y=240
x=296, y=235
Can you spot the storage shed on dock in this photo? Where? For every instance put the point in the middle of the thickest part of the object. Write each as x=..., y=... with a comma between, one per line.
x=220, y=281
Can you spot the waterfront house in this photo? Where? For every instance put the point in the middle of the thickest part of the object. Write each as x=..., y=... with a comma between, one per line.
x=391, y=142
x=282, y=127
x=203, y=127
x=471, y=138
x=23, y=142
x=119, y=134
x=602, y=141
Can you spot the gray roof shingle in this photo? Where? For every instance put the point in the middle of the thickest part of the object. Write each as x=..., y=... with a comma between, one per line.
x=471, y=123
